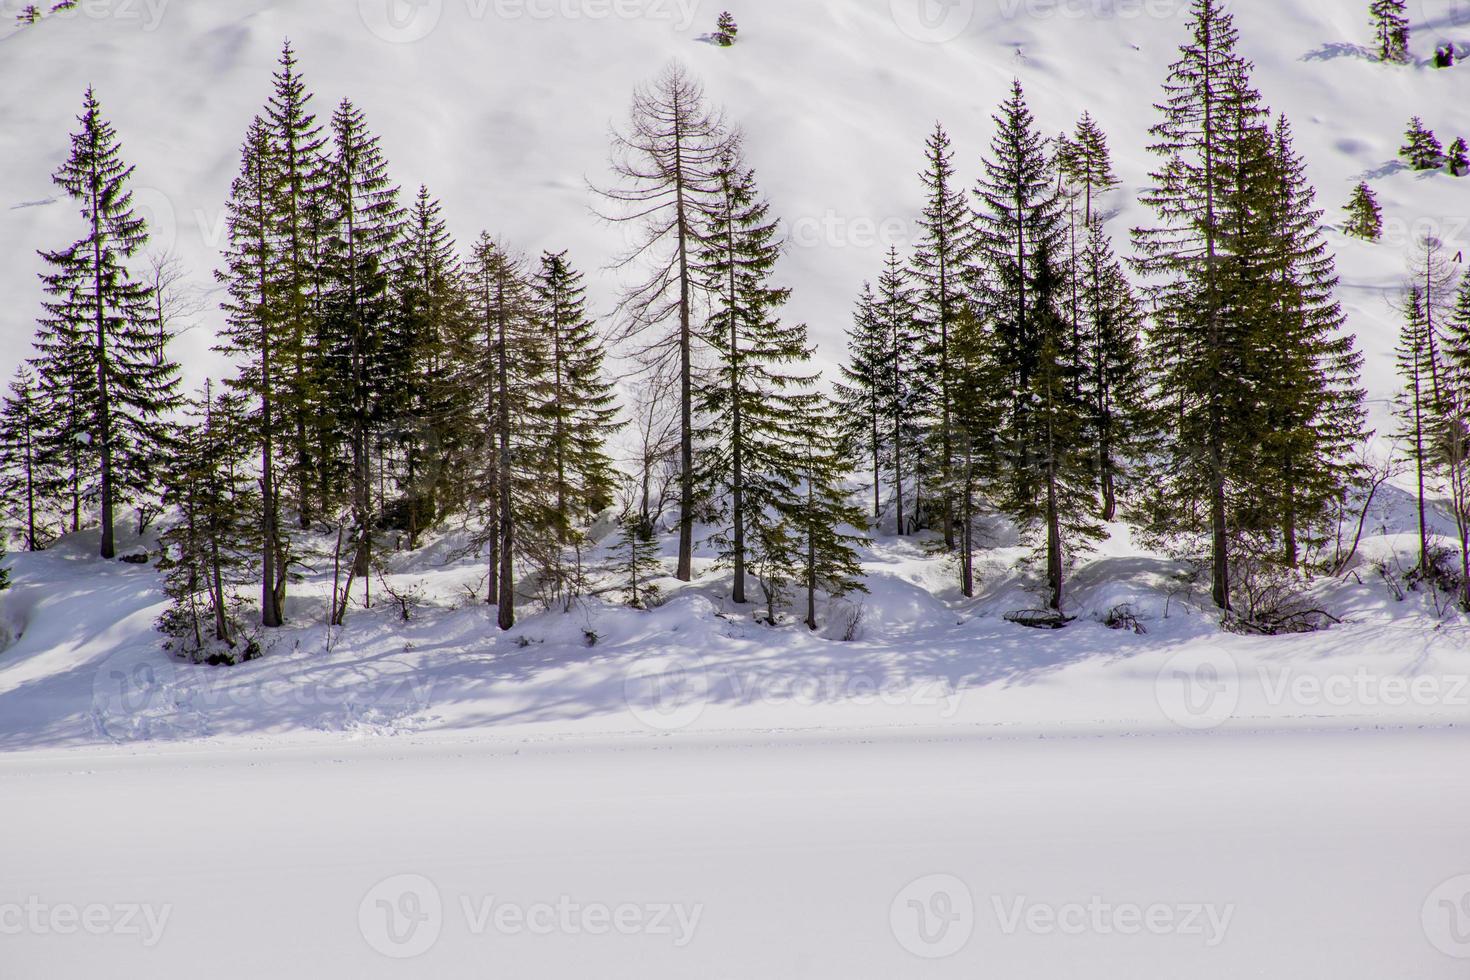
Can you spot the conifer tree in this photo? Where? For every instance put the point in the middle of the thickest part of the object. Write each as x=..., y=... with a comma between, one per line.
x=300, y=219
x=726, y=31
x=1416, y=405
x=752, y=399
x=99, y=348
x=636, y=560
x=369, y=361
x=941, y=262
x=1114, y=382
x=1453, y=444
x=254, y=334
x=1421, y=147
x=27, y=476
x=1210, y=140
x=667, y=162
x=828, y=557
x=1085, y=164
x=907, y=388
x=429, y=418
x=207, y=551
x=1391, y=29
x=1020, y=217
x=1365, y=216
x=1459, y=157
x=865, y=393
x=581, y=414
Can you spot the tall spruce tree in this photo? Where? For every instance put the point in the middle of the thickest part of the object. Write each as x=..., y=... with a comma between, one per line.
x=254, y=335
x=1417, y=405
x=907, y=388
x=667, y=162
x=367, y=358
x=864, y=393
x=752, y=399
x=828, y=559
x=1211, y=125
x=581, y=410
x=100, y=352
x=942, y=260
x=1086, y=165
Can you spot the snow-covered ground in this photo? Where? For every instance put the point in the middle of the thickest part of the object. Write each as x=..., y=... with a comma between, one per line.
x=939, y=793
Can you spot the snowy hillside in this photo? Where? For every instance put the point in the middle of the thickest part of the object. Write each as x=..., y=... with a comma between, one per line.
x=919, y=788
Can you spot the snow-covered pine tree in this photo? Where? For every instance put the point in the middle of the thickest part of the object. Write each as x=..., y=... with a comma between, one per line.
x=366, y=352
x=1020, y=215
x=254, y=335
x=1313, y=405
x=1391, y=29
x=429, y=421
x=864, y=394
x=667, y=163
x=1458, y=159
x=1086, y=165
x=1115, y=382
x=828, y=554
x=1365, y=216
x=581, y=413
x=300, y=218
x=908, y=386
x=208, y=550
x=754, y=397
x=28, y=478
x=1421, y=147
x=98, y=343
x=1194, y=265
x=942, y=261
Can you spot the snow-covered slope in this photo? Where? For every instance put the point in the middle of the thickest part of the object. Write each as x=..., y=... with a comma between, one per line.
x=502, y=107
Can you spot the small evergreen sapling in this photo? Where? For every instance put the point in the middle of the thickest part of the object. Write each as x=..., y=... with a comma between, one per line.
x=1421, y=148
x=1459, y=157
x=726, y=31
x=1365, y=217
x=1391, y=30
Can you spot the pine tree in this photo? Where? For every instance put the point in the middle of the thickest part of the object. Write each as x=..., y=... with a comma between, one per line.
x=1453, y=444
x=907, y=388
x=1114, y=382
x=28, y=479
x=1391, y=29
x=865, y=394
x=1365, y=217
x=369, y=359
x=28, y=15
x=1416, y=406
x=726, y=30
x=1421, y=147
x=668, y=162
x=828, y=556
x=1085, y=164
x=751, y=399
x=941, y=262
x=1198, y=267
x=1459, y=157
x=254, y=334
x=1020, y=216
x=207, y=551
x=581, y=414
x=300, y=217
x=636, y=560
x=429, y=420
x=99, y=348
x=1314, y=406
